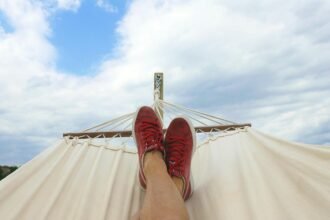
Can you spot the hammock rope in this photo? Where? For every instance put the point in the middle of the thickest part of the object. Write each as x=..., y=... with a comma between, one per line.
x=119, y=128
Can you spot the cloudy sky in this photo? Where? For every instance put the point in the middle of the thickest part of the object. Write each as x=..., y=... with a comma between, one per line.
x=68, y=64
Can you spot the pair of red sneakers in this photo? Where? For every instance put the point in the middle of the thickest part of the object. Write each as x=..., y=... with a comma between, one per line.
x=177, y=147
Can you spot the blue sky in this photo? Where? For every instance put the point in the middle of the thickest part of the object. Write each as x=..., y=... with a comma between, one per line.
x=4, y=23
x=86, y=37
x=66, y=65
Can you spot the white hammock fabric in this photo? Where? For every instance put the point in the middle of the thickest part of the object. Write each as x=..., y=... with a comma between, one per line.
x=241, y=174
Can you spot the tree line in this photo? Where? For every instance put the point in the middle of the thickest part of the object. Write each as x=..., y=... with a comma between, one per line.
x=6, y=170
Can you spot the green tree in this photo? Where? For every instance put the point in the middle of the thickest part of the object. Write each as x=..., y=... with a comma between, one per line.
x=6, y=170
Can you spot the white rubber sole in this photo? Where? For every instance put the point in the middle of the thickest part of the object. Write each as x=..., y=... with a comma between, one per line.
x=134, y=138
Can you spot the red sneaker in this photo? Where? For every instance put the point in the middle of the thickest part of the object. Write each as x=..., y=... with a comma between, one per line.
x=180, y=141
x=148, y=135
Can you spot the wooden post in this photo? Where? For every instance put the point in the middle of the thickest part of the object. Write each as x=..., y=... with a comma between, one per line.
x=159, y=89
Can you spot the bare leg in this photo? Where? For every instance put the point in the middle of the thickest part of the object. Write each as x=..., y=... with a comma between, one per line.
x=178, y=183
x=163, y=199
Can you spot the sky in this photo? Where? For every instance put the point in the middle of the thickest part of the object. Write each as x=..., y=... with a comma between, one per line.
x=66, y=65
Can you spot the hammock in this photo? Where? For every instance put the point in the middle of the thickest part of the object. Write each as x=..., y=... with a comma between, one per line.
x=239, y=173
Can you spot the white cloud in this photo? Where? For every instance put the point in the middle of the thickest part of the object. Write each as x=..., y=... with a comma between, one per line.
x=72, y=5
x=200, y=42
x=265, y=63
x=106, y=6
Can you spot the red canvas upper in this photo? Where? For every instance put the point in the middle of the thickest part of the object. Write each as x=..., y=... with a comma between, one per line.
x=180, y=144
x=148, y=135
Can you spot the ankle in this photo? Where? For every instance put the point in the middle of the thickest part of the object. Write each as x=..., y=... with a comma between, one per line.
x=153, y=161
x=178, y=183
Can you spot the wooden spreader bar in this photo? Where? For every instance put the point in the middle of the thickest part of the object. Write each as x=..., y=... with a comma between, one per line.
x=109, y=134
